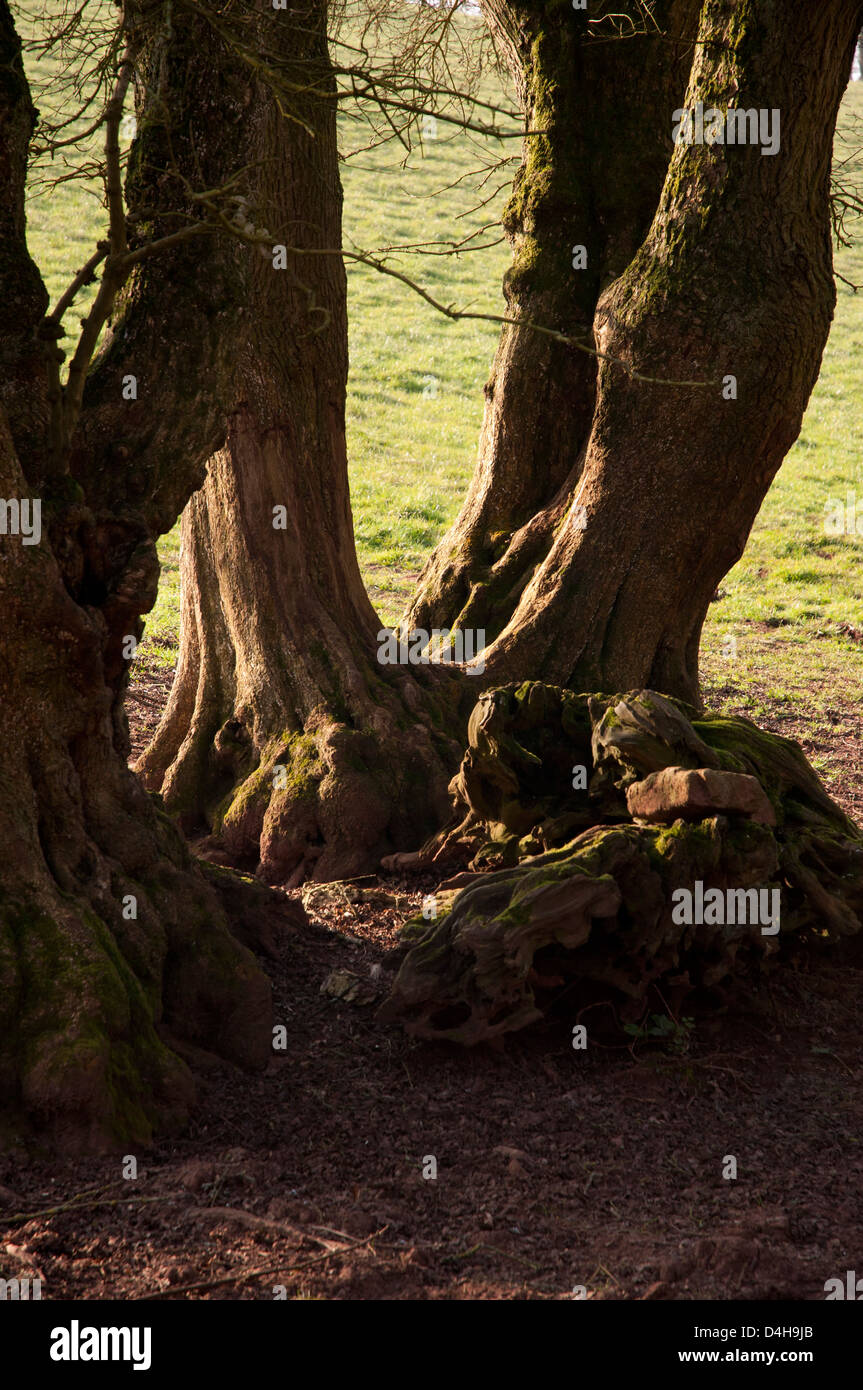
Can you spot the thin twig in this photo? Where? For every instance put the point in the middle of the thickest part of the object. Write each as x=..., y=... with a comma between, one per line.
x=19, y=1217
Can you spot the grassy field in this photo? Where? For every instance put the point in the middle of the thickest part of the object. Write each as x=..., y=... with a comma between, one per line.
x=783, y=641
x=415, y=389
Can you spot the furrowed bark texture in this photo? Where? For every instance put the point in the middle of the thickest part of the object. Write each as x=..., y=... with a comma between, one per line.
x=734, y=280
x=591, y=177
x=284, y=741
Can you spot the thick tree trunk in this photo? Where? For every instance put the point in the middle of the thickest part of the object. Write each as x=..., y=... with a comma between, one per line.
x=591, y=180
x=277, y=636
x=277, y=668
x=113, y=946
x=733, y=281
x=110, y=941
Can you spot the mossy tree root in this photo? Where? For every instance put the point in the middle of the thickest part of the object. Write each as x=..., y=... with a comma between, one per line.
x=598, y=908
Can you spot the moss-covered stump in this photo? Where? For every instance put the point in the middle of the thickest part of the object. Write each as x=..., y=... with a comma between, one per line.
x=619, y=904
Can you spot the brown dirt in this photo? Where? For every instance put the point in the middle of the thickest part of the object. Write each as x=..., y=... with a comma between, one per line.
x=145, y=702
x=822, y=712
x=556, y=1168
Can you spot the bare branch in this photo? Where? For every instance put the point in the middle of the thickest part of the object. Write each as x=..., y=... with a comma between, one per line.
x=85, y=276
x=114, y=273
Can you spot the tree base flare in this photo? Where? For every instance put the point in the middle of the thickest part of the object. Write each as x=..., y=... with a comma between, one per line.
x=621, y=904
x=91, y=1003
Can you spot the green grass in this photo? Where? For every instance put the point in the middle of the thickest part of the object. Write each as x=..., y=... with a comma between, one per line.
x=795, y=599
x=161, y=637
x=793, y=602
x=415, y=390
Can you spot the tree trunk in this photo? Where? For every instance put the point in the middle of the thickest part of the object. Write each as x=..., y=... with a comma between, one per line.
x=113, y=945
x=284, y=741
x=734, y=288
x=591, y=180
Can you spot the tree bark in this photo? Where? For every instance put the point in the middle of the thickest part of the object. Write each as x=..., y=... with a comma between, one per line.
x=284, y=741
x=592, y=179
x=734, y=280
x=114, y=948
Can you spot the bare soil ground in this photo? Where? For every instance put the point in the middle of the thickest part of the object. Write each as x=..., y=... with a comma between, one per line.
x=557, y=1169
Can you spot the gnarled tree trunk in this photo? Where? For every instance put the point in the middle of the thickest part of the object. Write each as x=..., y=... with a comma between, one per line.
x=672, y=481
x=733, y=287
x=646, y=488
x=591, y=180
x=284, y=740
x=113, y=946
x=277, y=642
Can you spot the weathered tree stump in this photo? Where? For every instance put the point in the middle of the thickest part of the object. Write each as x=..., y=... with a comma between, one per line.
x=583, y=891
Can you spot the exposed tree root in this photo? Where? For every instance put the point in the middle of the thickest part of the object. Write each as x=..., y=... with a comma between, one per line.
x=603, y=906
